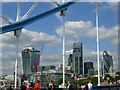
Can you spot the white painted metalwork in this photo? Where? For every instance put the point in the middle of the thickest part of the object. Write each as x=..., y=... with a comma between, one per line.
x=30, y=10
x=63, y=49
x=97, y=45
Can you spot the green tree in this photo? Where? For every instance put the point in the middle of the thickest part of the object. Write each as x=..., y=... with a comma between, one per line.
x=60, y=81
x=117, y=78
x=110, y=77
x=94, y=81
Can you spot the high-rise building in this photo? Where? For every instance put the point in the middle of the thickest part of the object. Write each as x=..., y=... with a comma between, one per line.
x=107, y=62
x=70, y=60
x=87, y=66
x=77, y=58
x=91, y=72
x=29, y=58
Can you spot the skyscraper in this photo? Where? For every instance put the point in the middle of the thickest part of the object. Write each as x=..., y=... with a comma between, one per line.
x=77, y=58
x=70, y=60
x=29, y=58
x=107, y=62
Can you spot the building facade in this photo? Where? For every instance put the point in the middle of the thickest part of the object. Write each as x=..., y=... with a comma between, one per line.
x=76, y=59
x=107, y=62
x=29, y=58
x=70, y=60
x=91, y=72
x=45, y=68
x=87, y=66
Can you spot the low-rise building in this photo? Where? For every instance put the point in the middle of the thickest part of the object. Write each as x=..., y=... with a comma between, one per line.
x=45, y=68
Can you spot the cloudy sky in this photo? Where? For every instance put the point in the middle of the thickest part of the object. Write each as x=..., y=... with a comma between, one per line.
x=79, y=25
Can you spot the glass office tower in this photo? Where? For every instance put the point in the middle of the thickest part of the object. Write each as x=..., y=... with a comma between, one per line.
x=87, y=66
x=107, y=62
x=29, y=58
x=77, y=58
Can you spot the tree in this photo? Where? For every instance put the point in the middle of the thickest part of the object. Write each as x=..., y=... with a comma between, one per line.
x=94, y=81
x=110, y=77
x=60, y=81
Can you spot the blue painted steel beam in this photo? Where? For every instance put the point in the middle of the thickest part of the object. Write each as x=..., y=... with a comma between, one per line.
x=20, y=24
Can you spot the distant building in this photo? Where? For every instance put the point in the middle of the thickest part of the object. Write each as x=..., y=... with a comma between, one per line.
x=40, y=68
x=87, y=66
x=56, y=76
x=91, y=72
x=60, y=69
x=49, y=67
x=46, y=77
x=68, y=69
x=112, y=71
x=29, y=58
x=75, y=60
x=107, y=62
x=70, y=60
x=45, y=68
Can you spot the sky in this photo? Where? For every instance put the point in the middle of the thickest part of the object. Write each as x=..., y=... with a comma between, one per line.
x=80, y=25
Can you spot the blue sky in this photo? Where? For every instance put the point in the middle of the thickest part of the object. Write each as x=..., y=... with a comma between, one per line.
x=80, y=25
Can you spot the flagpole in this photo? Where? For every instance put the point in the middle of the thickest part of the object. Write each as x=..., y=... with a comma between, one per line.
x=63, y=50
x=97, y=45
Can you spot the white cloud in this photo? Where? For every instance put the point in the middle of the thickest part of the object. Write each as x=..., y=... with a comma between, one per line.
x=8, y=62
x=77, y=29
x=28, y=37
x=69, y=52
x=111, y=33
x=8, y=45
x=51, y=59
x=114, y=41
x=110, y=6
x=69, y=42
x=40, y=38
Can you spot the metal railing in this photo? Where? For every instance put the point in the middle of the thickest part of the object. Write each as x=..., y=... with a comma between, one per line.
x=106, y=87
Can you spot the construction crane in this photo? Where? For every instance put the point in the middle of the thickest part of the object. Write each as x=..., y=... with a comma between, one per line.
x=23, y=76
x=36, y=64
